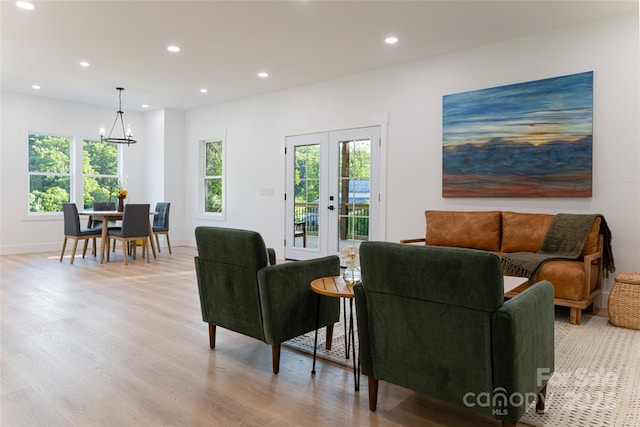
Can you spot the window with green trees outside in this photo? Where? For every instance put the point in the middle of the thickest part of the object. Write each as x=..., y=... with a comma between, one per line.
x=100, y=172
x=49, y=172
x=213, y=177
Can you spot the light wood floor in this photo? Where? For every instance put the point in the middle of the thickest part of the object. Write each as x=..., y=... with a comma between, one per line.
x=109, y=345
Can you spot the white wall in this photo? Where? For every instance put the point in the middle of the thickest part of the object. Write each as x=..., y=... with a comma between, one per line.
x=411, y=96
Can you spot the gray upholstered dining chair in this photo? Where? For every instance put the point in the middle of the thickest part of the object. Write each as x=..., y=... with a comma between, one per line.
x=135, y=226
x=101, y=206
x=97, y=223
x=72, y=230
x=161, y=223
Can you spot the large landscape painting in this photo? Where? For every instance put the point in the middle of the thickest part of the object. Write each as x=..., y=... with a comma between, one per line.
x=530, y=139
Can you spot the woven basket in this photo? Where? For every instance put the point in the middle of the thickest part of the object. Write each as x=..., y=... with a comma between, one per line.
x=624, y=301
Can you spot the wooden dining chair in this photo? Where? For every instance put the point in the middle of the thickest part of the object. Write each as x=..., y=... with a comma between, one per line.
x=135, y=226
x=161, y=223
x=72, y=230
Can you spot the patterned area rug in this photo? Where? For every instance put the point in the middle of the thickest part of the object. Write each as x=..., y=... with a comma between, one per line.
x=597, y=376
x=596, y=380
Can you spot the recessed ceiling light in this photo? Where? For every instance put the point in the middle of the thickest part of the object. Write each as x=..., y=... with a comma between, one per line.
x=25, y=5
x=203, y=90
x=263, y=75
x=36, y=87
x=173, y=48
x=391, y=40
x=145, y=105
x=84, y=64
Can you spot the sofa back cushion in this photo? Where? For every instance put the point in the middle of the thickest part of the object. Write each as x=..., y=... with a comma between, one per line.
x=592, y=241
x=475, y=230
x=525, y=232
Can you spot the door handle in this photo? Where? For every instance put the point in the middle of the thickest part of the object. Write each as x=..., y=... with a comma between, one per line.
x=331, y=207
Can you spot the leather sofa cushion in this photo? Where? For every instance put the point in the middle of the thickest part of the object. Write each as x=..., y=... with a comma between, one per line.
x=475, y=230
x=567, y=278
x=524, y=232
x=592, y=241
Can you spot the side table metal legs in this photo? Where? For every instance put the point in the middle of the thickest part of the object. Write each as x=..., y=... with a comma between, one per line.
x=349, y=341
x=356, y=359
x=315, y=340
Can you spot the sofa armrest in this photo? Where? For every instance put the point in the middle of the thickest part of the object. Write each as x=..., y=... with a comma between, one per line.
x=417, y=240
x=287, y=302
x=522, y=333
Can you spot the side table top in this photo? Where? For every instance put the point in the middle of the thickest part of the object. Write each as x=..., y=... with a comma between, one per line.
x=333, y=286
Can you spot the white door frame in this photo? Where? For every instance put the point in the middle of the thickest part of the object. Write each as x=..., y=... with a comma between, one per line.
x=328, y=220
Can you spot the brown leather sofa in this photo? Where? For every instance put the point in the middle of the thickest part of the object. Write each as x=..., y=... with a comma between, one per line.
x=576, y=283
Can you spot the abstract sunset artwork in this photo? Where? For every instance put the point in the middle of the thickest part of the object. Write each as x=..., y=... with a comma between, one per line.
x=531, y=139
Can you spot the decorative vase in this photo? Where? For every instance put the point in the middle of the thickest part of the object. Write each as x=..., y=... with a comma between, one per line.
x=120, y=204
x=352, y=274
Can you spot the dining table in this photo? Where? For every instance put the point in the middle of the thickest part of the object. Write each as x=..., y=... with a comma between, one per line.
x=105, y=217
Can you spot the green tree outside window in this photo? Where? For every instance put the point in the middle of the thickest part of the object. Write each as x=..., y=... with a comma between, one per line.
x=49, y=172
x=100, y=172
x=213, y=177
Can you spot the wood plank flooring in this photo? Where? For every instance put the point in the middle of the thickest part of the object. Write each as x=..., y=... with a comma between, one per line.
x=108, y=345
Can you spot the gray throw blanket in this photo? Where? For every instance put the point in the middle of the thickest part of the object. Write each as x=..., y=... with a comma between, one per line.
x=565, y=239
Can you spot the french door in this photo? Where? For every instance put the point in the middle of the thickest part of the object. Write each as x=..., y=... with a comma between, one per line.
x=332, y=191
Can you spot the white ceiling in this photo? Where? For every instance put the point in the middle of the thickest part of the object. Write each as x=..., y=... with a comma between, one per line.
x=226, y=43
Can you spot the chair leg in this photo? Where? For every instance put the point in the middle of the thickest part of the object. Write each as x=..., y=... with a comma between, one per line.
x=64, y=246
x=168, y=243
x=212, y=335
x=329, y=335
x=373, y=393
x=124, y=253
x=542, y=396
x=73, y=254
x=158, y=243
x=145, y=248
x=275, y=357
x=84, y=249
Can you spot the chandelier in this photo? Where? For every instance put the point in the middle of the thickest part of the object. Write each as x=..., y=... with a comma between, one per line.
x=127, y=136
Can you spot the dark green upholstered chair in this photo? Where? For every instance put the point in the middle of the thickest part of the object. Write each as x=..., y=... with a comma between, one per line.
x=434, y=320
x=242, y=289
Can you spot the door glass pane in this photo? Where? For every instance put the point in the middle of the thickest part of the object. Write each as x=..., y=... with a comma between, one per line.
x=306, y=196
x=354, y=192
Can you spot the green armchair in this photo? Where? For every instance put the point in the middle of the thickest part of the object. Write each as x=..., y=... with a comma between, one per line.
x=434, y=320
x=242, y=289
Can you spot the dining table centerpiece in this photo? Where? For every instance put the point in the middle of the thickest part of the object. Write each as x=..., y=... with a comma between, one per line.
x=122, y=194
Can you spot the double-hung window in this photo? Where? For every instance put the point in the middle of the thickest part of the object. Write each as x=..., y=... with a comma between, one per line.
x=213, y=177
x=99, y=171
x=54, y=174
x=49, y=172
